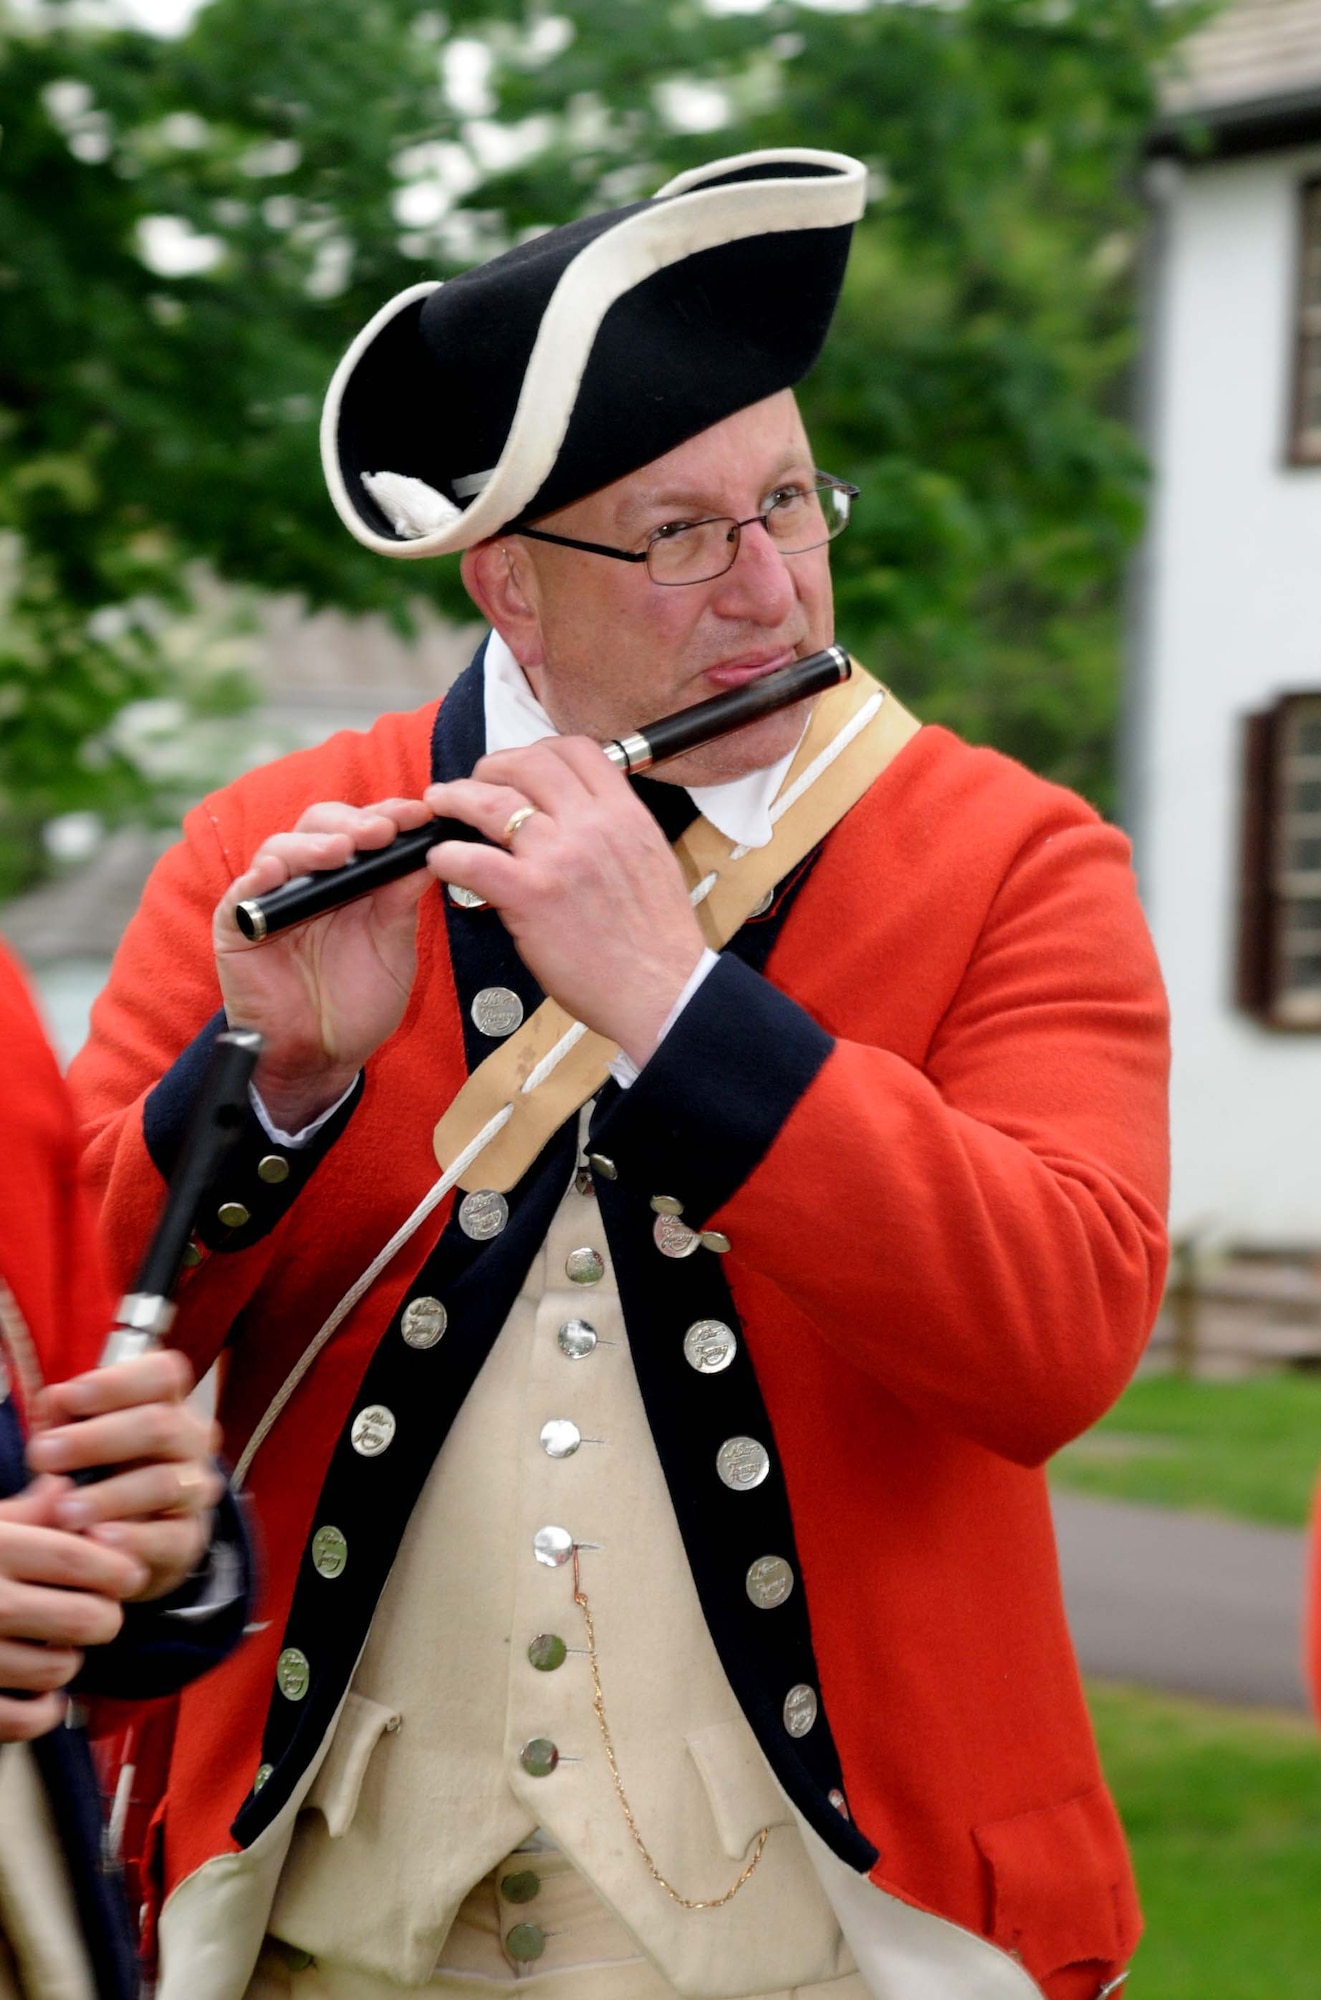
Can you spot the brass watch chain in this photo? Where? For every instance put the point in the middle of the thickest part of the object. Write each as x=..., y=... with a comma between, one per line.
x=598, y=1703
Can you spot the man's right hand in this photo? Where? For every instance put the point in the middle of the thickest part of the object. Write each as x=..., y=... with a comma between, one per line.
x=59, y=1594
x=324, y=996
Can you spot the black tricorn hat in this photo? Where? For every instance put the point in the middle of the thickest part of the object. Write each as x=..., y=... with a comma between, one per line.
x=591, y=350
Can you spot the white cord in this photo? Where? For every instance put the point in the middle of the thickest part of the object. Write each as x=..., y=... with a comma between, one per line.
x=549, y=1062
x=433, y=1195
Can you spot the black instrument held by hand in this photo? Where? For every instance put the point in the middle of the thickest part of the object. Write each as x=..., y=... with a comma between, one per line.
x=309, y=896
x=146, y=1313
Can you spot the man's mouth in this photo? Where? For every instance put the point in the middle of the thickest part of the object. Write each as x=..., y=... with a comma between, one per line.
x=747, y=667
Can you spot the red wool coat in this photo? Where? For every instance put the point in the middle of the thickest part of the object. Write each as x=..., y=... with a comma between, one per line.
x=945, y=1262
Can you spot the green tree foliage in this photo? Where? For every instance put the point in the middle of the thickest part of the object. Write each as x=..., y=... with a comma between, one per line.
x=192, y=229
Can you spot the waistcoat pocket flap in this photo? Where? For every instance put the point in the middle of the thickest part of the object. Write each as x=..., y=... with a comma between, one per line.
x=339, y=1781
x=744, y=1796
x=1062, y=1890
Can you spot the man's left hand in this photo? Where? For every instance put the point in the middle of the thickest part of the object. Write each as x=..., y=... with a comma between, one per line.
x=588, y=887
x=161, y=1483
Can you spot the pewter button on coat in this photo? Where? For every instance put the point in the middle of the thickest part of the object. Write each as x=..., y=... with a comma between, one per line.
x=547, y=1651
x=576, y=1338
x=800, y=1709
x=263, y=1773
x=839, y=1802
x=762, y=904
x=552, y=1546
x=742, y=1463
x=373, y=1430
x=667, y=1204
x=423, y=1322
x=497, y=1010
x=715, y=1239
x=520, y=1887
x=539, y=1756
x=560, y=1438
x=467, y=899
x=233, y=1214
x=601, y=1163
x=769, y=1581
x=525, y=1942
x=293, y=1675
x=584, y=1267
x=330, y=1551
x=273, y=1168
x=483, y=1214
x=674, y=1238
x=709, y=1346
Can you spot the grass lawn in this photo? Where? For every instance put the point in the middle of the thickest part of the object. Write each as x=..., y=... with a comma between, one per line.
x=1223, y=1811
x=1250, y=1449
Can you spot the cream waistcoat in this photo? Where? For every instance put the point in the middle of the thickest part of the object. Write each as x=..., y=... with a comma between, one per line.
x=423, y=1790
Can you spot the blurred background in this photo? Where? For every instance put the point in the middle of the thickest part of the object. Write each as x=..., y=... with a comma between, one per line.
x=1077, y=374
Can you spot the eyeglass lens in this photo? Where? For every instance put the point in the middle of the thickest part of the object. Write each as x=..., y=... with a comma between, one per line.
x=795, y=523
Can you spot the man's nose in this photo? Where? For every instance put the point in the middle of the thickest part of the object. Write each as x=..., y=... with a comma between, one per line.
x=759, y=584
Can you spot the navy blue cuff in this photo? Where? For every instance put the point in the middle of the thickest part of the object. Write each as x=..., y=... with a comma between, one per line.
x=259, y=1180
x=707, y=1107
x=157, y=1650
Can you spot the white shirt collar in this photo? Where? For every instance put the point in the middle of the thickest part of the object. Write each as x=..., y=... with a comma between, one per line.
x=740, y=808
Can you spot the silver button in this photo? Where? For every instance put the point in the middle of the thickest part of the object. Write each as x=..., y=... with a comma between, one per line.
x=601, y=1163
x=423, y=1322
x=263, y=1773
x=539, y=1757
x=552, y=1546
x=293, y=1676
x=576, y=1338
x=674, y=1238
x=330, y=1551
x=525, y=1942
x=192, y=1256
x=742, y=1463
x=800, y=1709
x=233, y=1214
x=769, y=1581
x=483, y=1214
x=762, y=904
x=839, y=1802
x=497, y=1010
x=667, y=1204
x=584, y=1267
x=273, y=1168
x=373, y=1430
x=709, y=1346
x=560, y=1438
x=547, y=1651
x=467, y=899
x=715, y=1239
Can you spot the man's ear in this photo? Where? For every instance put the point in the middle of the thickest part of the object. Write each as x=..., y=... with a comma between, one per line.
x=501, y=581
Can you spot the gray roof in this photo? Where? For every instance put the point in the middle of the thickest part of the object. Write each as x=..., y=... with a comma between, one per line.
x=1251, y=76
x=83, y=914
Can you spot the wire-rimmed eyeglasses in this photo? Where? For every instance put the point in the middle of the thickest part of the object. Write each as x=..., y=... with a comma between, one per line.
x=797, y=518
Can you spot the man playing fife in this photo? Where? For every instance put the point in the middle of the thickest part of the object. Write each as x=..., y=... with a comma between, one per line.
x=661, y=1596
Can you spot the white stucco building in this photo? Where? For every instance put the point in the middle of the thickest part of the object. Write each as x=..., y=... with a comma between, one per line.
x=1225, y=810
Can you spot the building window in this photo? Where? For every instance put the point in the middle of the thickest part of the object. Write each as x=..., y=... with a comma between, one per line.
x=1280, y=932
x=1305, y=444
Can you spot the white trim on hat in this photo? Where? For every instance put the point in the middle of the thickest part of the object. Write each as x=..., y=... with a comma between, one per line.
x=693, y=217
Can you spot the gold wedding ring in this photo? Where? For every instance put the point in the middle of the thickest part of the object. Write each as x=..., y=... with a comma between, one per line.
x=514, y=821
x=191, y=1480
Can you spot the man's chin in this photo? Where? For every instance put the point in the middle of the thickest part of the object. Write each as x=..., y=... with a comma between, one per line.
x=754, y=748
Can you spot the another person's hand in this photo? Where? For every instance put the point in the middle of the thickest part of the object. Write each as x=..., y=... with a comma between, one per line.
x=325, y=995
x=588, y=888
x=59, y=1594
x=154, y=1505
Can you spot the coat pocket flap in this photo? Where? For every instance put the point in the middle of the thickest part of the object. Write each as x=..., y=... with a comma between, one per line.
x=361, y=1725
x=744, y=1796
x=1062, y=1891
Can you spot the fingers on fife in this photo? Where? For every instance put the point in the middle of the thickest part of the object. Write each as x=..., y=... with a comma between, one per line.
x=153, y=1503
